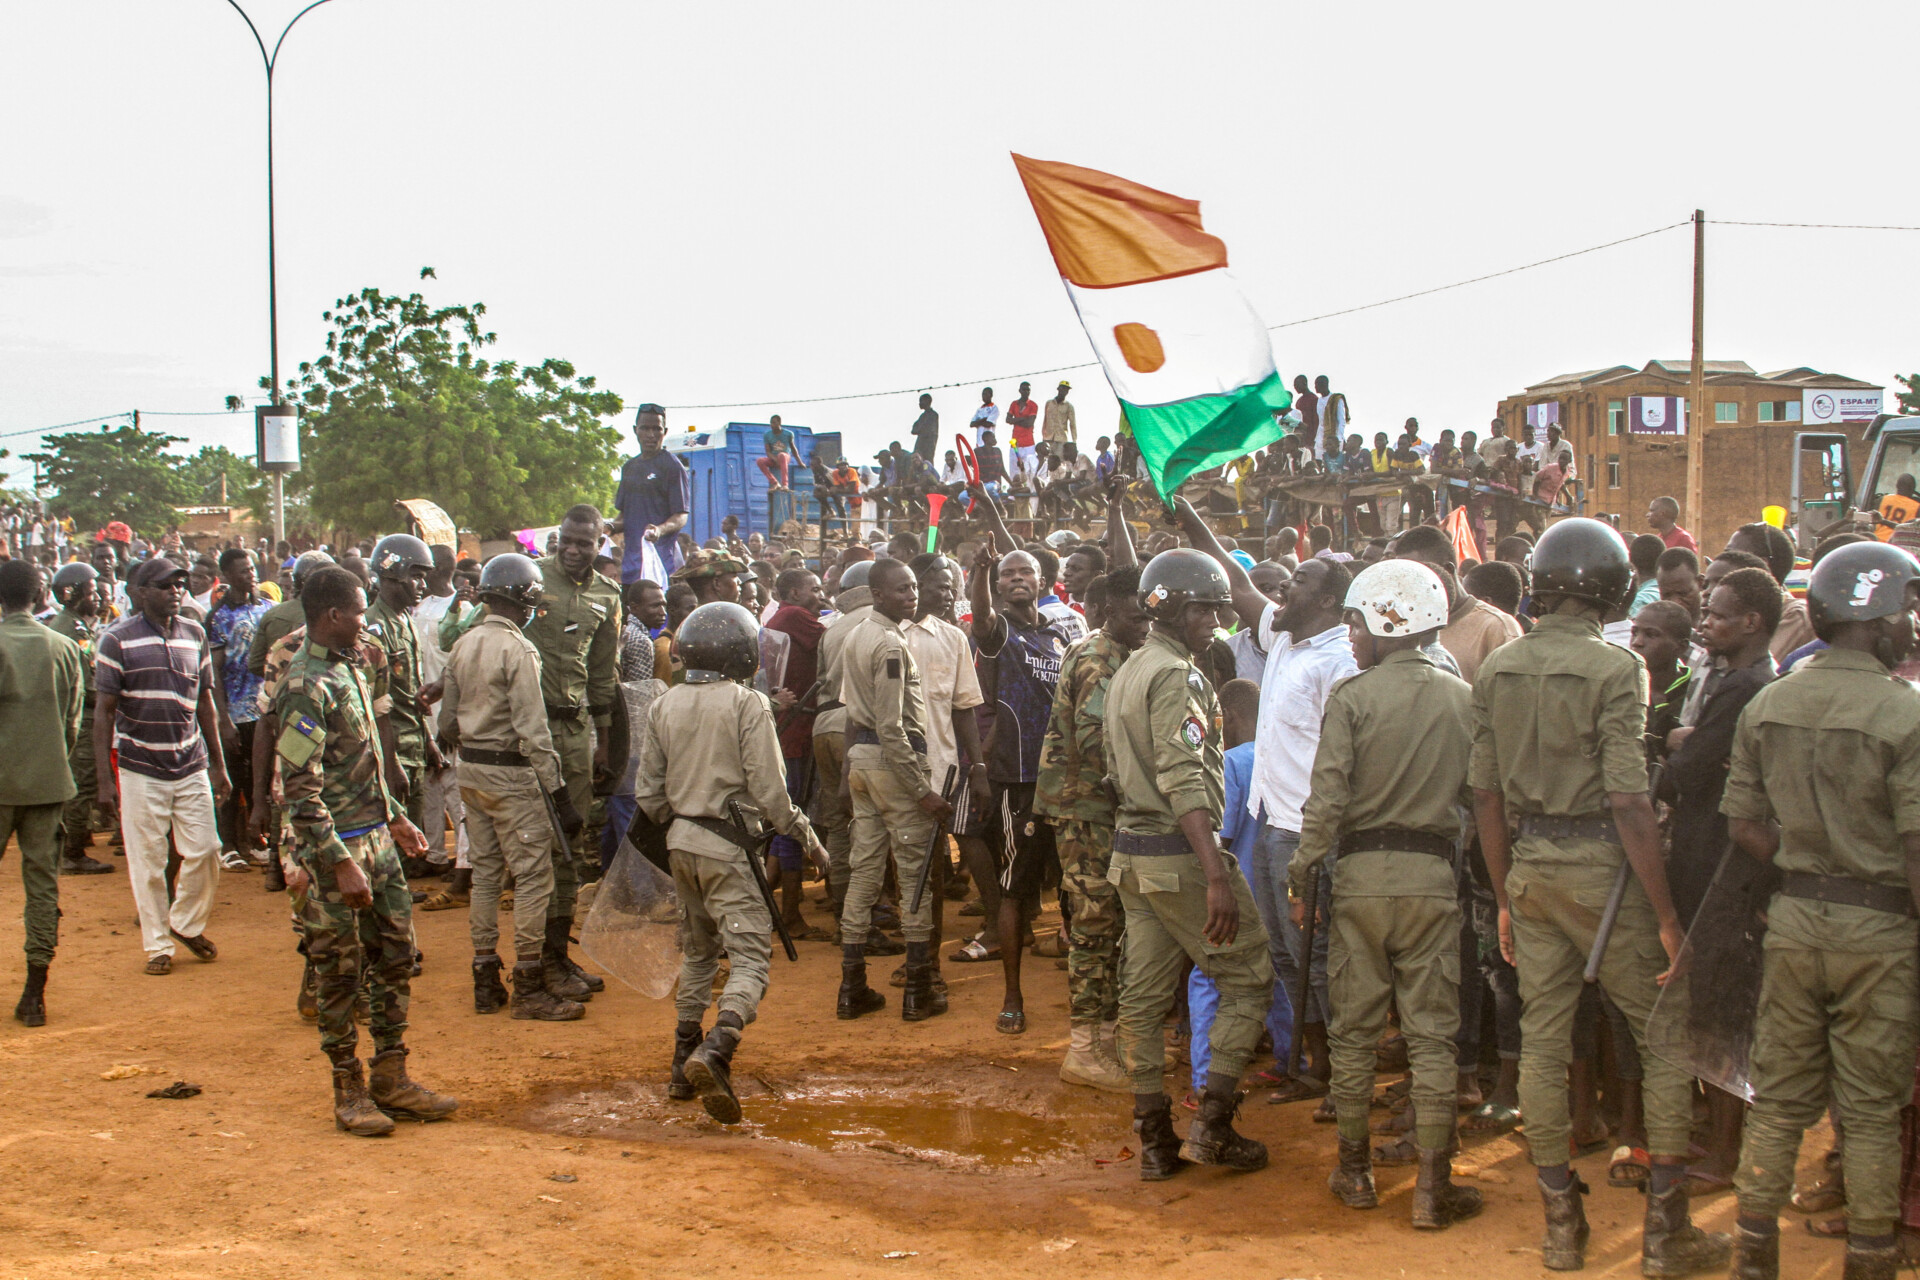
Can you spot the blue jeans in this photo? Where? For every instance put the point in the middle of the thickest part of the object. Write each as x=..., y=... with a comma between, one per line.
x=1272, y=854
x=1203, y=998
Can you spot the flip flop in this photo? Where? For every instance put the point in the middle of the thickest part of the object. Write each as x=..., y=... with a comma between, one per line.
x=1324, y=1113
x=1491, y=1118
x=1297, y=1089
x=1011, y=1022
x=1630, y=1167
x=973, y=951
x=160, y=966
x=200, y=944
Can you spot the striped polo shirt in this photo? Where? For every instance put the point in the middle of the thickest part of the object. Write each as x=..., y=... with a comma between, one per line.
x=158, y=677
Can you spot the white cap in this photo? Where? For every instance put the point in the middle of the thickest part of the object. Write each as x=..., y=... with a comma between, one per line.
x=1399, y=598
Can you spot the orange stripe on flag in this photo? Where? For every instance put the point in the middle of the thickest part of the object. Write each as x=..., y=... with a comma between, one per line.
x=1106, y=231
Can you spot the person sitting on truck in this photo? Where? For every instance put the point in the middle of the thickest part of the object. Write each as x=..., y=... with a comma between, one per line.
x=774, y=463
x=1897, y=508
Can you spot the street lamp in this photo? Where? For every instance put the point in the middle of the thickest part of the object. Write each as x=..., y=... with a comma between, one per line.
x=277, y=437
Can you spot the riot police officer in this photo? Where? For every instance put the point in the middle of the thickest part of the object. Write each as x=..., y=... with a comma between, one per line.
x=1184, y=895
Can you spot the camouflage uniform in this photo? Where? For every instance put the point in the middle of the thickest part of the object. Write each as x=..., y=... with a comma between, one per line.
x=76, y=820
x=1072, y=790
x=273, y=670
x=577, y=631
x=393, y=632
x=329, y=753
x=274, y=624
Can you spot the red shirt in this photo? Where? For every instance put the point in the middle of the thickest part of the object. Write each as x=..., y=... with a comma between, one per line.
x=1678, y=537
x=803, y=629
x=1020, y=416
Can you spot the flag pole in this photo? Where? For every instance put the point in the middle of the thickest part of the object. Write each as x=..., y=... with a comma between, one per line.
x=1697, y=407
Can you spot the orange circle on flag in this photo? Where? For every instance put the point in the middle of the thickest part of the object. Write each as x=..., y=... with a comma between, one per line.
x=1140, y=347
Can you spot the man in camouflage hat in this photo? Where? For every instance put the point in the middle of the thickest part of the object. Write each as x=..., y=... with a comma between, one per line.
x=713, y=575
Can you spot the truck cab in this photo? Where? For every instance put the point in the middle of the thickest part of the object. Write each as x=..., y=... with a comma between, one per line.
x=1825, y=499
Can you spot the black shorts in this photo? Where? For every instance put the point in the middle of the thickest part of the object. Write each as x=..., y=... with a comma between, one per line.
x=1027, y=855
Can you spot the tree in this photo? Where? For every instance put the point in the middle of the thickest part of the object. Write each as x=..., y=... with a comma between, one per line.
x=401, y=406
x=205, y=470
x=1910, y=398
x=115, y=473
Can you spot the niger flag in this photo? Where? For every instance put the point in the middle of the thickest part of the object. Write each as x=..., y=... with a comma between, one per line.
x=1189, y=360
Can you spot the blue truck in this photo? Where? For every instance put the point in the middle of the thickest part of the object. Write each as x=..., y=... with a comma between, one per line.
x=726, y=480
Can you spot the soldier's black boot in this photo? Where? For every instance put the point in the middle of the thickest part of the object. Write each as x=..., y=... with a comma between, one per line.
x=1437, y=1203
x=489, y=993
x=75, y=862
x=32, y=1008
x=856, y=997
x=686, y=1038
x=1565, y=1246
x=1352, y=1181
x=565, y=978
x=1670, y=1245
x=1159, y=1148
x=710, y=1069
x=920, y=1001
x=1211, y=1138
x=1876, y=1262
x=534, y=999
x=1756, y=1255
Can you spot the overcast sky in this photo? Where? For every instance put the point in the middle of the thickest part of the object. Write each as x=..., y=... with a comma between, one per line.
x=745, y=202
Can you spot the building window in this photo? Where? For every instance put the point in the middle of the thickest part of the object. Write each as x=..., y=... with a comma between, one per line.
x=1779, y=411
x=1613, y=471
x=1726, y=411
x=1616, y=416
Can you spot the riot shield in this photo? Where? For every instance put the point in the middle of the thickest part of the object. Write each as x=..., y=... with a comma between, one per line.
x=633, y=930
x=1703, y=1018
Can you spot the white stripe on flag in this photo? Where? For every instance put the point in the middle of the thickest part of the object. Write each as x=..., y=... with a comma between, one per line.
x=1212, y=341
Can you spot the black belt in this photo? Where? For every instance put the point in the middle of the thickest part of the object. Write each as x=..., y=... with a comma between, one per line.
x=1596, y=826
x=508, y=759
x=1142, y=845
x=88, y=700
x=860, y=736
x=1398, y=840
x=564, y=713
x=831, y=705
x=1848, y=892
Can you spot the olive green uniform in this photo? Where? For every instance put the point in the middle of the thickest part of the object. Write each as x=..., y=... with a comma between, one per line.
x=274, y=624
x=831, y=814
x=1832, y=752
x=76, y=821
x=887, y=774
x=42, y=689
x=1389, y=770
x=1072, y=791
x=1163, y=749
x=394, y=633
x=577, y=631
x=710, y=741
x=1558, y=719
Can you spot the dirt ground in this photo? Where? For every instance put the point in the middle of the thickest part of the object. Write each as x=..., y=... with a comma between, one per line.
x=874, y=1147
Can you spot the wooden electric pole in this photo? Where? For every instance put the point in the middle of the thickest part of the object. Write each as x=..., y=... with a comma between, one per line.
x=1698, y=410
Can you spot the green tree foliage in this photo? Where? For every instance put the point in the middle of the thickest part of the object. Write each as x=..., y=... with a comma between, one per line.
x=1910, y=398
x=204, y=470
x=402, y=406
x=115, y=473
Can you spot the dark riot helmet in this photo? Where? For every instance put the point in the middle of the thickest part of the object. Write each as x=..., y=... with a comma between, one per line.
x=303, y=567
x=1584, y=559
x=1181, y=576
x=1858, y=583
x=512, y=579
x=720, y=637
x=399, y=554
x=70, y=578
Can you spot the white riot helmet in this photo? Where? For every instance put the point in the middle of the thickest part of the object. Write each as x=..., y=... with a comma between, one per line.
x=1399, y=598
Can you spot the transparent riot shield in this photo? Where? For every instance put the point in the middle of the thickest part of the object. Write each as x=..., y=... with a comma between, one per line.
x=633, y=930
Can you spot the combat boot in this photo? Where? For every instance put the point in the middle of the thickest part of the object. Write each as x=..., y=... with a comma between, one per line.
x=353, y=1110
x=32, y=1008
x=1564, y=1247
x=1670, y=1245
x=1871, y=1264
x=1437, y=1203
x=710, y=1069
x=308, y=1001
x=920, y=1001
x=1085, y=1064
x=1352, y=1180
x=399, y=1097
x=489, y=993
x=533, y=999
x=276, y=877
x=1211, y=1138
x=561, y=982
x=557, y=941
x=856, y=997
x=1159, y=1148
x=686, y=1038
x=75, y=862
x=1756, y=1255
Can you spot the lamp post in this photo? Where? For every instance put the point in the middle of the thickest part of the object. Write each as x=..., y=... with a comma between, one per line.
x=283, y=432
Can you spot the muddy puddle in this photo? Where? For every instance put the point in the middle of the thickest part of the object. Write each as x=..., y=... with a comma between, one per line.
x=966, y=1120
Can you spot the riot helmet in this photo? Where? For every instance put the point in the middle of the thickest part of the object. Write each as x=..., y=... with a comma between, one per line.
x=1584, y=559
x=1181, y=576
x=720, y=637
x=512, y=579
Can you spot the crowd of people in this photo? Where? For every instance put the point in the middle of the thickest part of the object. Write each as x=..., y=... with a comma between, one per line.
x=1310, y=812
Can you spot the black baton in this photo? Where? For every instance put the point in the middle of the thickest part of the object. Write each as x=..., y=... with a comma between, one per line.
x=1306, y=973
x=553, y=818
x=1608, y=916
x=760, y=878
x=799, y=705
x=933, y=844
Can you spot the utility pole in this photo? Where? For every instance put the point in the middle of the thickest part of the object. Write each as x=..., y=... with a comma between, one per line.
x=1697, y=407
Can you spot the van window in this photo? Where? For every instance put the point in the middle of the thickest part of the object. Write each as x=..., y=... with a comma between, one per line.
x=1900, y=457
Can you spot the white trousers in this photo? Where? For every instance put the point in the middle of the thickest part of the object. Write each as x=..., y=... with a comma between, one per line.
x=443, y=804
x=150, y=809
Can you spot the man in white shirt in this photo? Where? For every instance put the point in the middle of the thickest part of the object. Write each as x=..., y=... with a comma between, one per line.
x=1307, y=652
x=1529, y=451
x=443, y=788
x=986, y=417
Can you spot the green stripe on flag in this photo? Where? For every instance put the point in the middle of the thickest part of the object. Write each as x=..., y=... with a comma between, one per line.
x=1186, y=436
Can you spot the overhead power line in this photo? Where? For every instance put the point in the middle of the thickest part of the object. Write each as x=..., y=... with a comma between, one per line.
x=1815, y=226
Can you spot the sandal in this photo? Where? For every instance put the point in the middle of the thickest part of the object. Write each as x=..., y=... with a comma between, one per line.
x=809, y=933
x=973, y=951
x=1324, y=1113
x=1630, y=1167
x=1297, y=1089
x=160, y=965
x=1491, y=1118
x=444, y=900
x=1824, y=1196
x=1399, y=1151
x=1011, y=1022
x=1828, y=1228
x=200, y=944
